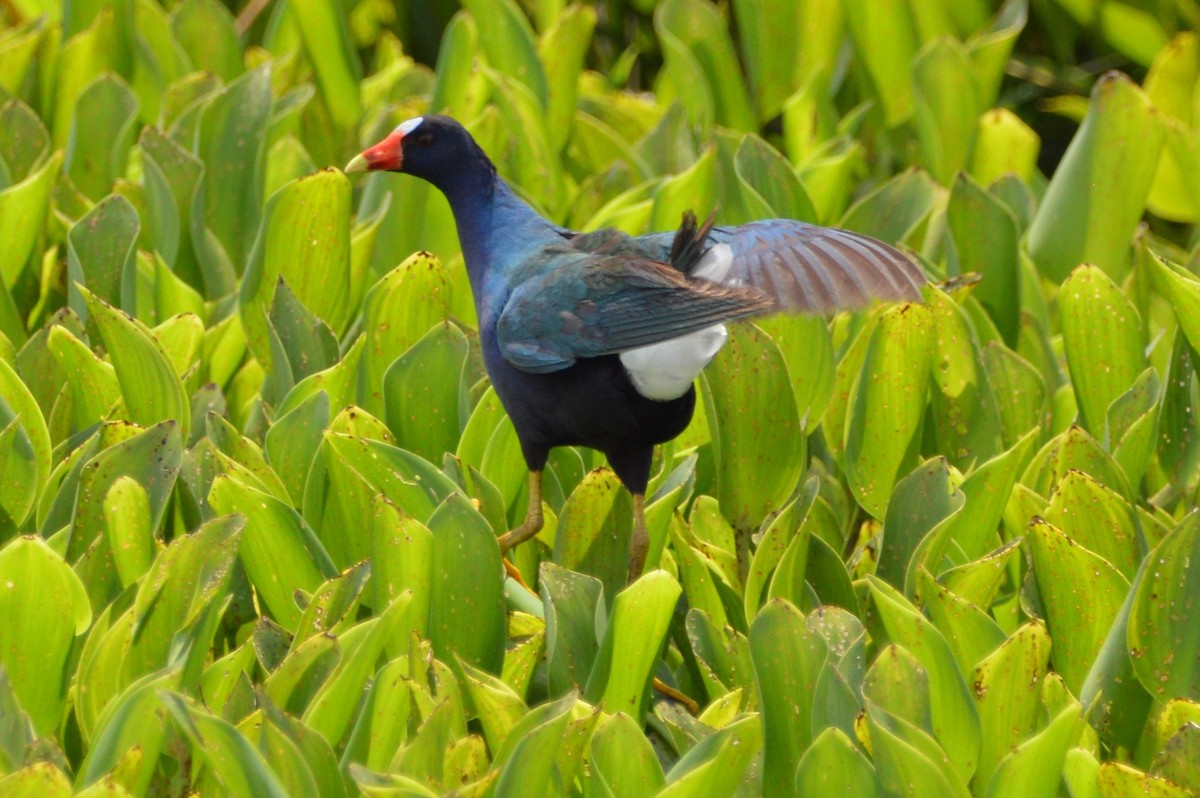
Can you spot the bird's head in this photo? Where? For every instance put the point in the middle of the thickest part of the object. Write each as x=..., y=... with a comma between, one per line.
x=430, y=147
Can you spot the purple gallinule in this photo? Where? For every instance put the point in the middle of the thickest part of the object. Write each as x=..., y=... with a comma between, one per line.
x=594, y=339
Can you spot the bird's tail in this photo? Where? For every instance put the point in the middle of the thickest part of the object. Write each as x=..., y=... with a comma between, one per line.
x=689, y=243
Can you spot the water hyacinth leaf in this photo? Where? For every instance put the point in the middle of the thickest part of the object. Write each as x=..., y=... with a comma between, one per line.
x=236, y=763
x=1004, y=144
x=1163, y=642
x=304, y=240
x=497, y=706
x=953, y=715
x=151, y=458
x=38, y=780
x=833, y=766
x=401, y=559
x=127, y=516
x=333, y=707
x=328, y=46
x=920, y=502
x=102, y=131
x=1034, y=767
x=764, y=170
x=898, y=684
x=18, y=406
x=421, y=390
x=970, y=631
x=151, y=389
x=905, y=755
x=83, y=57
x=985, y=241
x=1098, y=519
x=885, y=39
x=230, y=137
x=1102, y=338
x=561, y=50
x=46, y=607
x=397, y=312
x=716, y=765
x=282, y=555
x=170, y=175
x=509, y=44
x=1097, y=194
x=101, y=250
x=887, y=405
x=1009, y=710
x=1081, y=593
x=531, y=762
x=757, y=440
x=573, y=608
x=633, y=638
x=992, y=45
x=1074, y=449
x=787, y=657
x=23, y=210
x=1124, y=781
x=945, y=106
x=694, y=189
x=622, y=761
x=466, y=613
x=308, y=342
x=699, y=28
x=206, y=33
x=594, y=529
x=1021, y=385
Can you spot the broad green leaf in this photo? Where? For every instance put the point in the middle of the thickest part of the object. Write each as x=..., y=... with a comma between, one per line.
x=206, y=33
x=281, y=553
x=1096, y=196
x=970, y=631
x=717, y=765
x=562, y=49
x=954, y=718
x=508, y=42
x=1009, y=710
x=1033, y=768
x=1118, y=780
x=327, y=43
x=23, y=210
x=764, y=170
x=1004, y=145
x=698, y=27
x=758, y=444
x=920, y=503
x=530, y=765
x=239, y=767
x=83, y=57
x=573, y=608
x=1098, y=519
x=149, y=384
x=127, y=513
x=787, y=658
x=401, y=559
x=466, y=612
x=636, y=630
x=131, y=721
x=1102, y=339
x=1162, y=640
x=230, y=142
x=945, y=106
x=985, y=241
x=1081, y=593
x=102, y=131
x=1022, y=387
x=694, y=189
x=908, y=761
x=898, y=684
x=397, y=312
x=886, y=41
x=594, y=529
x=101, y=249
x=18, y=407
x=45, y=607
x=38, y=780
x=421, y=392
x=305, y=241
x=888, y=404
x=833, y=766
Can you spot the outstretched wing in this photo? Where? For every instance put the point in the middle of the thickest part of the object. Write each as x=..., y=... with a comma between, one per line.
x=590, y=305
x=801, y=267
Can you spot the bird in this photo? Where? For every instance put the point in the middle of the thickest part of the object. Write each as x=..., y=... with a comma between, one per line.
x=595, y=339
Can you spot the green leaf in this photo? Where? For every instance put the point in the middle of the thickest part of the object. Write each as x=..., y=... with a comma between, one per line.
x=1081, y=593
x=508, y=42
x=698, y=28
x=833, y=766
x=102, y=131
x=466, y=611
x=305, y=241
x=594, y=529
x=920, y=503
x=1164, y=644
x=149, y=384
x=329, y=48
x=127, y=513
x=573, y=606
x=1004, y=144
x=238, y=766
x=787, y=659
x=636, y=630
x=401, y=559
x=101, y=249
x=622, y=760
x=39, y=780
x=954, y=718
x=421, y=392
x=985, y=241
x=1096, y=196
x=758, y=444
x=888, y=404
x=206, y=33
x=1103, y=342
x=44, y=608
x=282, y=555
x=1033, y=768
x=23, y=210
x=945, y=104
x=886, y=43
x=716, y=765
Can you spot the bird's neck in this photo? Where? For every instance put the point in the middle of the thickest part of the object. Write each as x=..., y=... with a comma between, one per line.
x=496, y=229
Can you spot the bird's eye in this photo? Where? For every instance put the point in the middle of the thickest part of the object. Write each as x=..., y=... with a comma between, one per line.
x=425, y=140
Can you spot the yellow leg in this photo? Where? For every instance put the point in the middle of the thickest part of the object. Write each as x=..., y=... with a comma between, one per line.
x=533, y=517
x=640, y=544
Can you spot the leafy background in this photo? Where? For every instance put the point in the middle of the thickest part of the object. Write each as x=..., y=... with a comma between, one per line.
x=251, y=472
